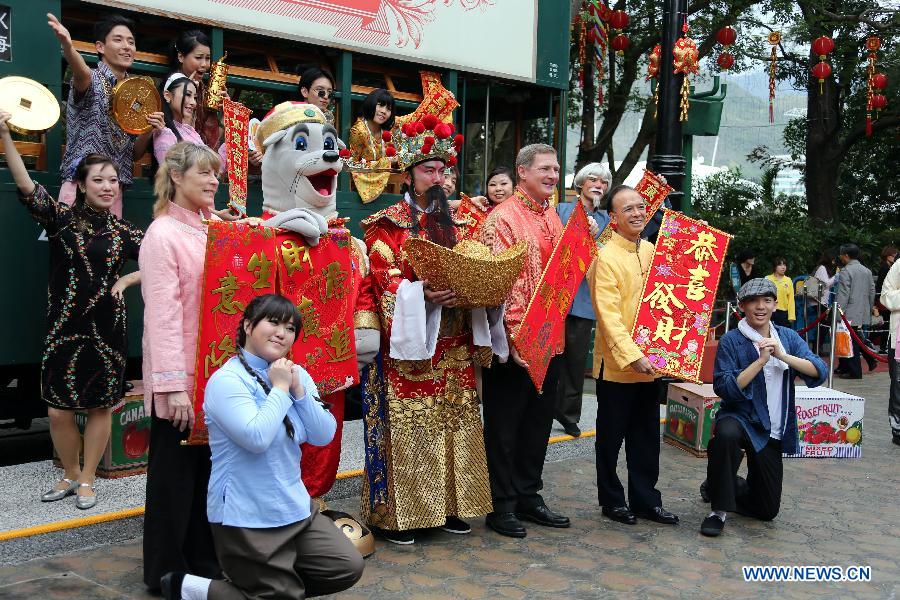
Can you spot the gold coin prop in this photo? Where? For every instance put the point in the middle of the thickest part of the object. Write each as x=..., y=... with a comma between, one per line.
x=133, y=99
x=34, y=108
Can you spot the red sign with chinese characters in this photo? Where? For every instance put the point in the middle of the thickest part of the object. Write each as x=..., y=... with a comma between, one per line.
x=237, y=124
x=537, y=338
x=654, y=190
x=679, y=293
x=472, y=215
x=244, y=261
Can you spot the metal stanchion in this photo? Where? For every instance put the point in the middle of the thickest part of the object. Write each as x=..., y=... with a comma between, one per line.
x=728, y=316
x=835, y=309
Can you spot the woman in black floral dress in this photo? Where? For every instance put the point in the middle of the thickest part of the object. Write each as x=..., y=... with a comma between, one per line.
x=83, y=364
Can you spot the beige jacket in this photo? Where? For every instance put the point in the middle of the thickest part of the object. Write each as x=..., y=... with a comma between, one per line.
x=890, y=298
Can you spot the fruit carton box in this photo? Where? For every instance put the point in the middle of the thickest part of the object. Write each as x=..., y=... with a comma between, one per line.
x=830, y=423
x=690, y=416
x=129, y=440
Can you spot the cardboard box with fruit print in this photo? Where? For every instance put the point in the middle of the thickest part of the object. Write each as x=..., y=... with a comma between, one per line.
x=129, y=440
x=830, y=423
x=690, y=416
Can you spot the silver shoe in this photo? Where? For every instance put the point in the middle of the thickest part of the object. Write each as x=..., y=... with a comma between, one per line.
x=54, y=495
x=85, y=502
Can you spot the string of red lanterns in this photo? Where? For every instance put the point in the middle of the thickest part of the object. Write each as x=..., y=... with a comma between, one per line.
x=822, y=47
x=726, y=36
x=875, y=100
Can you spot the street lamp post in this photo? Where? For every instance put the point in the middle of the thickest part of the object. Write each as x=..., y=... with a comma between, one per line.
x=668, y=160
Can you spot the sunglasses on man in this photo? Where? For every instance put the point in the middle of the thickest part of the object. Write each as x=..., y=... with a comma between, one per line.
x=324, y=94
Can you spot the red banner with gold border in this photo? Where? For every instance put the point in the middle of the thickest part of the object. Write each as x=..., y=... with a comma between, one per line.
x=237, y=125
x=246, y=260
x=239, y=266
x=679, y=294
x=654, y=190
x=545, y=317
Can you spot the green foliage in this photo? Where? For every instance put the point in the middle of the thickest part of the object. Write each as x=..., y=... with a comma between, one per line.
x=778, y=226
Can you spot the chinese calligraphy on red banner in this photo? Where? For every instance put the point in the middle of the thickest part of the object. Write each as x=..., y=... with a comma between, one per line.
x=244, y=261
x=654, y=190
x=546, y=314
x=237, y=119
x=471, y=214
x=679, y=293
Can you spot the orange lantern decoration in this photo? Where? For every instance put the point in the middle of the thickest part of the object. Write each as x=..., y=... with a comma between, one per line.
x=774, y=39
x=873, y=43
x=653, y=73
x=686, y=62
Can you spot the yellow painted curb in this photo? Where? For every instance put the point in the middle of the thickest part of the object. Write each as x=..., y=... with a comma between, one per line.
x=128, y=513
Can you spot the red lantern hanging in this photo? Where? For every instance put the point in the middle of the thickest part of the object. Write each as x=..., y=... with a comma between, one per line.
x=879, y=81
x=726, y=36
x=873, y=43
x=619, y=19
x=620, y=43
x=821, y=71
x=774, y=39
x=725, y=61
x=686, y=62
x=822, y=46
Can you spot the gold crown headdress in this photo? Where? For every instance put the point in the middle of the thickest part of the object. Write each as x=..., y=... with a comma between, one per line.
x=414, y=143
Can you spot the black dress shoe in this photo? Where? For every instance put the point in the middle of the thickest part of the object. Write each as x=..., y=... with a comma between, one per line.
x=505, y=523
x=543, y=516
x=572, y=429
x=622, y=514
x=401, y=538
x=170, y=585
x=456, y=525
x=896, y=439
x=712, y=526
x=659, y=515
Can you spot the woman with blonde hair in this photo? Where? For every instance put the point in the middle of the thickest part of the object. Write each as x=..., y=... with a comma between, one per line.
x=176, y=531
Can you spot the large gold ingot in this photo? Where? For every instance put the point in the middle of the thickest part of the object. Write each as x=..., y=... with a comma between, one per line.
x=218, y=74
x=34, y=108
x=132, y=100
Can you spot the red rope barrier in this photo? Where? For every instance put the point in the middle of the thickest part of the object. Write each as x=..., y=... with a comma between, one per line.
x=814, y=323
x=861, y=343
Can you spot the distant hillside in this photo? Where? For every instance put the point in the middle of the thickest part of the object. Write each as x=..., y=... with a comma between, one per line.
x=745, y=124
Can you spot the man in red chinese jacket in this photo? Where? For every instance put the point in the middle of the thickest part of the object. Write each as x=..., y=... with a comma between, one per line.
x=425, y=461
x=517, y=418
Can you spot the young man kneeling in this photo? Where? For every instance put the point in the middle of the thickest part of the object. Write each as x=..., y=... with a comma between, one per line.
x=754, y=376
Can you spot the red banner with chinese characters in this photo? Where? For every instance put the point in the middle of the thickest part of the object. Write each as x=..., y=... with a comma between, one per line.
x=472, y=214
x=237, y=127
x=244, y=261
x=679, y=294
x=545, y=317
x=317, y=279
x=654, y=190
x=238, y=267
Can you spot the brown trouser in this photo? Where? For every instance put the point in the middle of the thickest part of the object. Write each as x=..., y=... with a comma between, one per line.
x=304, y=559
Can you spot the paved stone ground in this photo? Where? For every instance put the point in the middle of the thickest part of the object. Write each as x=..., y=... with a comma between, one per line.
x=834, y=512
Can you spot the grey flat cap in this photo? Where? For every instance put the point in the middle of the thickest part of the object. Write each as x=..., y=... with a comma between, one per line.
x=757, y=287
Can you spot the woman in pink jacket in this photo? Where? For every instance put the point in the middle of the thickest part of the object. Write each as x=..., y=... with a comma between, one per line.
x=176, y=531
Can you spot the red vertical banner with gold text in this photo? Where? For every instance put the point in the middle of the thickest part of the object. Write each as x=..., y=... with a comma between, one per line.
x=545, y=317
x=679, y=294
x=317, y=279
x=237, y=125
x=240, y=265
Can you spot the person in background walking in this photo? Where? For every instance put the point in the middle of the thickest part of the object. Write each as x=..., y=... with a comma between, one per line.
x=785, y=313
x=890, y=299
x=591, y=183
x=888, y=257
x=856, y=297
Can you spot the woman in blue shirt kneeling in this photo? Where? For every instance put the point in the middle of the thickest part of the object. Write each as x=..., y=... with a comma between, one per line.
x=269, y=537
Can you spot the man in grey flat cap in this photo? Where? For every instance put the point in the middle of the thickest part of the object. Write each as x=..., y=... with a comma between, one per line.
x=754, y=377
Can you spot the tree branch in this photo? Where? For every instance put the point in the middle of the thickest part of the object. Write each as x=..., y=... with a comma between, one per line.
x=886, y=121
x=863, y=17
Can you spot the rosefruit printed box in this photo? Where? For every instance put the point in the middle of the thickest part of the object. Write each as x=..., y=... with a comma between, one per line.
x=830, y=423
x=690, y=416
x=129, y=440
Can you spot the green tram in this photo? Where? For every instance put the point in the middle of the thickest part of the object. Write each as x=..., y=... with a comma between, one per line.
x=506, y=61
